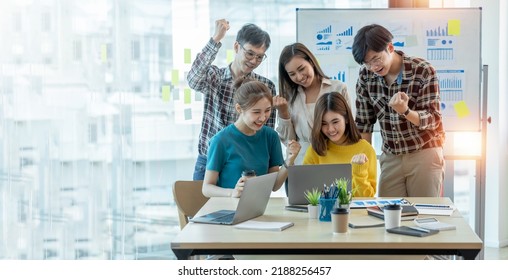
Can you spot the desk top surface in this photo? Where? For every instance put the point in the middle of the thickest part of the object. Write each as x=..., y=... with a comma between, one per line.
x=314, y=234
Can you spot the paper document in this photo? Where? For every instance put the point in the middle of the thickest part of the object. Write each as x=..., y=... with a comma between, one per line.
x=260, y=225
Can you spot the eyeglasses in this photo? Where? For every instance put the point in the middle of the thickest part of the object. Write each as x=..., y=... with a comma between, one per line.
x=249, y=55
x=375, y=61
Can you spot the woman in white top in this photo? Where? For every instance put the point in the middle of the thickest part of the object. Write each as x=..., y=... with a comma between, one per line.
x=301, y=82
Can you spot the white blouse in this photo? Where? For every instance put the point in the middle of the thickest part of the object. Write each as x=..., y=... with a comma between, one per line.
x=299, y=126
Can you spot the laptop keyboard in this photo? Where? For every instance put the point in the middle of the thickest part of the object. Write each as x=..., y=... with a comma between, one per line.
x=225, y=219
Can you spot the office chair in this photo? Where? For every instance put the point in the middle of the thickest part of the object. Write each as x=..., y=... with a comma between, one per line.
x=189, y=199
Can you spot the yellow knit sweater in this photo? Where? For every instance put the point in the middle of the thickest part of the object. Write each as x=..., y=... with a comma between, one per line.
x=364, y=177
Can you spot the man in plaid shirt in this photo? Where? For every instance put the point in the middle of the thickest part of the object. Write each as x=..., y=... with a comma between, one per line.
x=402, y=92
x=216, y=84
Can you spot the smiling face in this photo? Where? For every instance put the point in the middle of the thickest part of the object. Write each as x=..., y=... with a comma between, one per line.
x=300, y=71
x=248, y=57
x=252, y=119
x=333, y=126
x=379, y=62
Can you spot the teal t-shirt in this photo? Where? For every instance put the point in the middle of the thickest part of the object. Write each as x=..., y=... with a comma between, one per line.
x=230, y=152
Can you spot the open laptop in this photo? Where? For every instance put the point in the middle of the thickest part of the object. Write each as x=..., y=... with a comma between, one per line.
x=307, y=177
x=252, y=203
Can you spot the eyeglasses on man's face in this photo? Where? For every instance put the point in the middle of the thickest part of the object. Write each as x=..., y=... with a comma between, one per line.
x=376, y=61
x=249, y=55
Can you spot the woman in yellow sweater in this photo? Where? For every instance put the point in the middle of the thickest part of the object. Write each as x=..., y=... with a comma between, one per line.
x=336, y=139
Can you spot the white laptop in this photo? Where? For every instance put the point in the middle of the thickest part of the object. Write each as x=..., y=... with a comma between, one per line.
x=307, y=177
x=252, y=203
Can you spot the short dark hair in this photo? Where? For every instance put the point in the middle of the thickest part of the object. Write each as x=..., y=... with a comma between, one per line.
x=252, y=34
x=332, y=102
x=370, y=37
x=287, y=88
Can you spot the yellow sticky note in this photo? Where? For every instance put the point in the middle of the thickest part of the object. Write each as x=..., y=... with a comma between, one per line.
x=187, y=56
x=461, y=109
x=454, y=27
x=104, y=53
x=187, y=96
x=175, y=79
x=166, y=93
x=230, y=56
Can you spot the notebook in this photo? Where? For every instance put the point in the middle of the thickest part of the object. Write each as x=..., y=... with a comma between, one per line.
x=307, y=177
x=252, y=203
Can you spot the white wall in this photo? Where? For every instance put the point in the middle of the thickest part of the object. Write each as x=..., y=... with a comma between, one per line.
x=494, y=46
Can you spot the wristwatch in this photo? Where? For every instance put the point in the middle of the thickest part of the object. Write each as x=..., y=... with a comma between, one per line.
x=406, y=112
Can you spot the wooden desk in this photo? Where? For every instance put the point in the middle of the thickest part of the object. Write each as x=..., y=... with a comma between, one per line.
x=310, y=236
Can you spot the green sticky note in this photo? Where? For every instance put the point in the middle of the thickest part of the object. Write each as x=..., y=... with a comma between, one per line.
x=166, y=93
x=104, y=53
x=187, y=56
x=230, y=56
x=187, y=114
x=411, y=41
x=461, y=109
x=175, y=79
x=187, y=96
x=454, y=27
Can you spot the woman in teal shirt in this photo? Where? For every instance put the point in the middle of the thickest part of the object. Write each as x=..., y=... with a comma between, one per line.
x=246, y=144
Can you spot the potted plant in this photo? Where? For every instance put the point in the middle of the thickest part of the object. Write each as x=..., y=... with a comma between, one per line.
x=344, y=196
x=312, y=197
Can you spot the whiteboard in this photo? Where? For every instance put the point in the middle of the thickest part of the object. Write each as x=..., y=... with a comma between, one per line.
x=448, y=38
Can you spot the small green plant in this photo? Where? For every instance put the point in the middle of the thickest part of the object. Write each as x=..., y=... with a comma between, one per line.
x=313, y=196
x=344, y=196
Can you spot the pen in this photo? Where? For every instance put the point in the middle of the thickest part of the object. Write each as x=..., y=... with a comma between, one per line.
x=431, y=205
x=420, y=229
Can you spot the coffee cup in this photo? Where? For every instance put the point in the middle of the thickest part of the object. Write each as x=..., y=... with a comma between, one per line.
x=340, y=220
x=392, y=214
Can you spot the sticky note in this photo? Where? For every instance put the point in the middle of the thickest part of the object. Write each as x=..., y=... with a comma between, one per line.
x=187, y=56
x=230, y=56
x=411, y=41
x=187, y=114
x=165, y=93
x=187, y=96
x=104, y=53
x=198, y=96
x=454, y=27
x=176, y=94
x=461, y=109
x=175, y=77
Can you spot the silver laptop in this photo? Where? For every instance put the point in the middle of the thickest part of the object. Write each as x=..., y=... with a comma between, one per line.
x=252, y=203
x=307, y=177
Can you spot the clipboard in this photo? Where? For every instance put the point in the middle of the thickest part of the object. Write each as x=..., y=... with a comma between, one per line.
x=419, y=232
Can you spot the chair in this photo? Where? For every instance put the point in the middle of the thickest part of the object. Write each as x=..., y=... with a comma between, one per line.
x=189, y=199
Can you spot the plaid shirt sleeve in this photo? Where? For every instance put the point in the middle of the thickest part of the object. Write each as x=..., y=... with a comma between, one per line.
x=428, y=100
x=203, y=75
x=365, y=113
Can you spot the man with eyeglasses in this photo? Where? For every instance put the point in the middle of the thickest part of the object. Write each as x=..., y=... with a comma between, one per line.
x=216, y=84
x=402, y=92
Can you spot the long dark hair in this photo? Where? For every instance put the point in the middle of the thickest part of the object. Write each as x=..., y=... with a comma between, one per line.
x=334, y=102
x=287, y=88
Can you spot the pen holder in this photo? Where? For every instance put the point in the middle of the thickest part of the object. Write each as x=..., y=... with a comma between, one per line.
x=326, y=206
